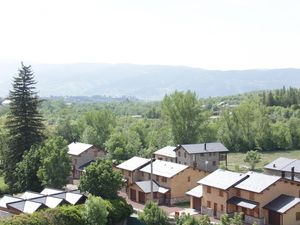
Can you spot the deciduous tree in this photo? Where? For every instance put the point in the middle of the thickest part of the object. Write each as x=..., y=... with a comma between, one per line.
x=101, y=179
x=183, y=112
x=55, y=163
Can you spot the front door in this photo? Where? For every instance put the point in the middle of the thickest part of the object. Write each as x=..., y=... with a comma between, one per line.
x=274, y=218
x=132, y=194
x=197, y=203
x=142, y=197
x=215, y=209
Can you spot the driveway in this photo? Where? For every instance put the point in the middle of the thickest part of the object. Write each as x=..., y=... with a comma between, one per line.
x=139, y=207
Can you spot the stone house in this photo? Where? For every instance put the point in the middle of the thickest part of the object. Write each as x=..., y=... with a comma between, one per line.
x=284, y=167
x=81, y=156
x=206, y=156
x=167, y=154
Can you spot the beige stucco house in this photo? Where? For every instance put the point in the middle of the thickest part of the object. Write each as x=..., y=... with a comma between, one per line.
x=262, y=198
x=170, y=180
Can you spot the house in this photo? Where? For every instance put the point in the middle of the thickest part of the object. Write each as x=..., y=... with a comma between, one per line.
x=170, y=180
x=82, y=155
x=251, y=193
x=130, y=169
x=167, y=154
x=284, y=210
x=206, y=156
x=30, y=202
x=217, y=189
x=284, y=167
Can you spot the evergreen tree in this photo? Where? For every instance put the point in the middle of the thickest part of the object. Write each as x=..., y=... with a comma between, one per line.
x=24, y=122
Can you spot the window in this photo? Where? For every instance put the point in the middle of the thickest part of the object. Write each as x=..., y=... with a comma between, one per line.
x=201, y=154
x=251, y=195
x=221, y=193
x=189, y=179
x=154, y=194
x=238, y=193
x=185, y=155
x=297, y=216
x=179, y=162
x=214, y=163
x=164, y=179
x=208, y=204
x=129, y=173
x=142, y=174
x=222, y=208
x=185, y=163
x=209, y=154
x=179, y=154
x=208, y=189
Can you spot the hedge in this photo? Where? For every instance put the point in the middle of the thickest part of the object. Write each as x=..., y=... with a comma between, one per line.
x=70, y=215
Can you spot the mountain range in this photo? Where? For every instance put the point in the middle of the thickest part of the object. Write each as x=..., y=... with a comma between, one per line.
x=147, y=82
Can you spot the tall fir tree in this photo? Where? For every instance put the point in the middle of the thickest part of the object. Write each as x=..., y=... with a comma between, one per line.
x=24, y=122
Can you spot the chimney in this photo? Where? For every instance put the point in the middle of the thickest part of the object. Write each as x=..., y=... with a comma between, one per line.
x=274, y=165
x=205, y=146
x=293, y=173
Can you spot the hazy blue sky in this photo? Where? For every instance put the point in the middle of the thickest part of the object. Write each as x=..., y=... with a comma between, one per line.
x=211, y=34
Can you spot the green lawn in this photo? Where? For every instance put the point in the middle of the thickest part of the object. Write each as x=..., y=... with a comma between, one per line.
x=235, y=159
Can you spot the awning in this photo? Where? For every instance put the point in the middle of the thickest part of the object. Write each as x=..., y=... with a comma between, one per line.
x=195, y=192
x=245, y=203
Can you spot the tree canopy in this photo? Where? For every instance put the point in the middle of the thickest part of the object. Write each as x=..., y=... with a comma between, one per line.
x=100, y=179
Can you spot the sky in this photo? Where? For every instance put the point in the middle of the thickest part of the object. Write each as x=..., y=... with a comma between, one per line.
x=209, y=34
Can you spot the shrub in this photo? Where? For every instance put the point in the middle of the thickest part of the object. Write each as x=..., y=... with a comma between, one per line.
x=153, y=215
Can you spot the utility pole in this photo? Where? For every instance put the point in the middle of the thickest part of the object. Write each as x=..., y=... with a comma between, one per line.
x=151, y=179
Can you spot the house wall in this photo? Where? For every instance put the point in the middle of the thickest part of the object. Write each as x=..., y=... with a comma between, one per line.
x=165, y=158
x=183, y=182
x=279, y=173
x=214, y=197
x=268, y=195
x=289, y=218
x=130, y=176
x=178, y=184
x=90, y=154
x=213, y=159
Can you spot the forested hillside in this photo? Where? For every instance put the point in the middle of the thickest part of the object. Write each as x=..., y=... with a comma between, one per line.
x=148, y=82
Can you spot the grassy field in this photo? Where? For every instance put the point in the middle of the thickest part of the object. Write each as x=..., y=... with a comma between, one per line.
x=237, y=159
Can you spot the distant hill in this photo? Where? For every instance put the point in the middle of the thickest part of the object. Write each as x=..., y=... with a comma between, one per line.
x=149, y=82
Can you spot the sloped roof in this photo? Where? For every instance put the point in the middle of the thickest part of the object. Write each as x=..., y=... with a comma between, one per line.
x=49, y=201
x=257, y=182
x=133, y=163
x=282, y=204
x=164, y=168
x=200, y=148
x=168, y=151
x=50, y=191
x=30, y=194
x=83, y=166
x=245, y=203
x=8, y=199
x=222, y=179
x=25, y=206
x=76, y=148
x=146, y=187
x=196, y=192
x=70, y=197
x=284, y=164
